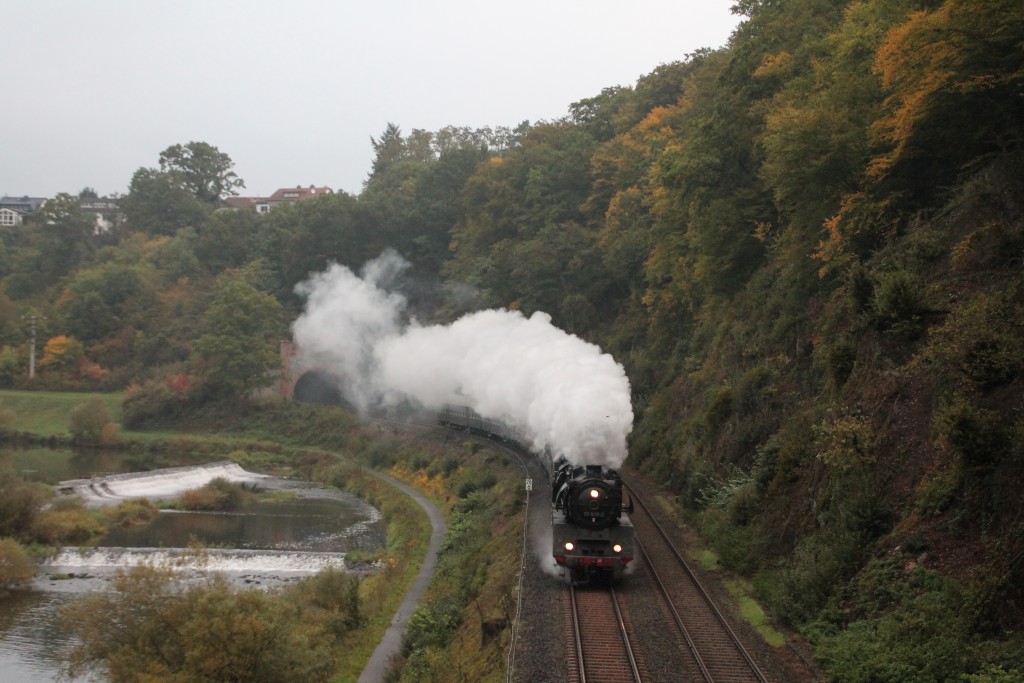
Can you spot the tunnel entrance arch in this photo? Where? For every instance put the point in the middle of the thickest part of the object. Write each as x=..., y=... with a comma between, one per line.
x=320, y=387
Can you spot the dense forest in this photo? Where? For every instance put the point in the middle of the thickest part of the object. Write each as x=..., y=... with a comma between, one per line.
x=806, y=248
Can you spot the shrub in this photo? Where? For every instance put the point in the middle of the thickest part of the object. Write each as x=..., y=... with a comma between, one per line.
x=844, y=443
x=904, y=626
x=751, y=390
x=148, y=628
x=899, y=303
x=837, y=357
x=801, y=586
x=67, y=525
x=982, y=339
x=978, y=435
x=719, y=408
x=19, y=503
x=88, y=421
x=331, y=599
x=157, y=401
x=735, y=543
x=991, y=673
x=10, y=366
x=937, y=491
x=485, y=482
x=219, y=494
x=16, y=567
x=129, y=512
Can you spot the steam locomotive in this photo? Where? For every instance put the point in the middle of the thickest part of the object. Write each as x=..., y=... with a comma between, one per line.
x=591, y=532
x=592, y=536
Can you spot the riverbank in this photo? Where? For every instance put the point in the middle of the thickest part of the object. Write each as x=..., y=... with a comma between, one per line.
x=463, y=622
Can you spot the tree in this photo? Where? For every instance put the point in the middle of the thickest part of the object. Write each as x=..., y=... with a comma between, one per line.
x=228, y=237
x=958, y=68
x=237, y=349
x=297, y=239
x=159, y=203
x=390, y=147
x=98, y=301
x=64, y=234
x=204, y=170
x=61, y=353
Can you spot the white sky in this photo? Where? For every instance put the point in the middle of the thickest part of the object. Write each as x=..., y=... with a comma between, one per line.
x=292, y=90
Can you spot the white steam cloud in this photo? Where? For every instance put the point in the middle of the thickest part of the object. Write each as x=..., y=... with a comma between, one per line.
x=563, y=393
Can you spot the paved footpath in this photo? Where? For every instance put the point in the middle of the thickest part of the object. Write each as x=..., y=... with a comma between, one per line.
x=391, y=643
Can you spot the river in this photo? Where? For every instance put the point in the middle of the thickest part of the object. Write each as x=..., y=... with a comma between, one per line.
x=263, y=544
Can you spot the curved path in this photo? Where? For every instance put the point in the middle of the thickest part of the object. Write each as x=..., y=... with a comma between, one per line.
x=391, y=643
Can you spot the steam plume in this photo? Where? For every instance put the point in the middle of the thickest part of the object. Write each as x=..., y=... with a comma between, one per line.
x=562, y=392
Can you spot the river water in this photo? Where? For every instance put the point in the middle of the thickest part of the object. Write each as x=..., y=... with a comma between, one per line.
x=262, y=545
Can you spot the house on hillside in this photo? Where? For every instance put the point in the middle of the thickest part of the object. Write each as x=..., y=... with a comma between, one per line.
x=105, y=210
x=282, y=196
x=14, y=209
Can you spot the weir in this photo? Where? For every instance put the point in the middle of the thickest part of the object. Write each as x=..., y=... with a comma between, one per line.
x=163, y=483
x=233, y=561
x=262, y=543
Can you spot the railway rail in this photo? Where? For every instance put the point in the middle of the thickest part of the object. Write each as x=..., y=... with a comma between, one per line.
x=716, y=651
x=601, y=649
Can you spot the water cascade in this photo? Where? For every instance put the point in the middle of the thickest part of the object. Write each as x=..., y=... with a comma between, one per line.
x=165, y=483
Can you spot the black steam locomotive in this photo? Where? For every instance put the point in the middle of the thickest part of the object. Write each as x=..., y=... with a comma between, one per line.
x=591, y=532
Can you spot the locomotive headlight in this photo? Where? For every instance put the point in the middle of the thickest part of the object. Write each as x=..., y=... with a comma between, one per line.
x=594, y=493
x=617, y=548
x=569, y=546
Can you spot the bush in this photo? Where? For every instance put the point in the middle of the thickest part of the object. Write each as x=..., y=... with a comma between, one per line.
x=16, y=567
x=88, y=423
x=19, y=503
x=903, y=626
x=485, y=482
x=130, y=512
x=330, y=599
x=899, y=304
x=157, y=401
x=10, y=366
x=978, y=435
x=837, y=358
x=823, y=561
x=148, y=628
x=991, y=673
x=751, y=390
x=67, y=525
x=219, y=494
x=844, y=443
x=982, y=340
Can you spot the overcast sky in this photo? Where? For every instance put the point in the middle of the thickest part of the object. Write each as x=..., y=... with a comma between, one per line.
x=293, y=90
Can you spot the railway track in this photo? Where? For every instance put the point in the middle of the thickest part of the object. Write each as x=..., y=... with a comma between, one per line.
x=601, y=650
x=703, y=631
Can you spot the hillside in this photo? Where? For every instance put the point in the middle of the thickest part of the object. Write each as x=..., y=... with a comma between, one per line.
x=805, y=248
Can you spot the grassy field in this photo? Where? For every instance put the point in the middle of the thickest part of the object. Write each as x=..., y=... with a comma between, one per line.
x=47, y=413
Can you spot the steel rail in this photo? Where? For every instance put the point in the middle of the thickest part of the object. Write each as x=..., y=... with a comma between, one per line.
x=625, y=637
x=576, y=634
x=700, y=589
x=675, y=614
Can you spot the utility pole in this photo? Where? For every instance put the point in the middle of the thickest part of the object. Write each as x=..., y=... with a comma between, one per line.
x=32, y=348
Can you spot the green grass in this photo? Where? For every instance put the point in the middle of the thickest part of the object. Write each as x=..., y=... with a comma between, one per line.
x=707, y=558
x=47, y=413
x=753, y=613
